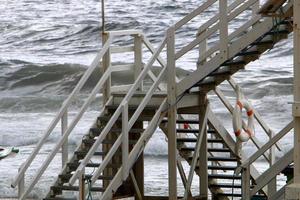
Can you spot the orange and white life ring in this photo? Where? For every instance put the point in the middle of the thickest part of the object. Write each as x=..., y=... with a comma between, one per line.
x=241, y=135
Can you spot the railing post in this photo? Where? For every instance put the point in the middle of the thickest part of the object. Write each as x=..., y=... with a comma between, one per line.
x=202, y=162
x=172, y=112
x=125, y=143
x=138, y=53
x=202, y=50
x=272, y=186
x=223, y=6
x=82, y=186
x=106, y=63
x=64, y=148
x=21, y=184
x=246, y=183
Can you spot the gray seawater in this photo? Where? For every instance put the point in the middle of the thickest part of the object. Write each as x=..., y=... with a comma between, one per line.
x=45, y=46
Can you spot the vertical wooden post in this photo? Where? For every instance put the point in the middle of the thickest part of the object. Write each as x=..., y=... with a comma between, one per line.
x=296, y=106
x=21, y=184
x=223, y=29
x=138, y=53
x=272, y=186
x=172, y=112
x=202, y=163
x=293, y=191
x=246, y=183
x=202, y=50
x=106, y=62
x=125, y=143
x=64, y=148
x=81, y=186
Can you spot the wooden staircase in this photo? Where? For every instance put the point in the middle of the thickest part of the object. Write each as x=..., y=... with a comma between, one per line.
x=60, y=189
x=110, y=155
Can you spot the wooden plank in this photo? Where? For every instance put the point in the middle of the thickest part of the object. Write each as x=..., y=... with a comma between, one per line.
x=273, y=171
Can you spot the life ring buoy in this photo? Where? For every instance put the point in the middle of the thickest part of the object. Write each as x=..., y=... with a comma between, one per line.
x=241, y=135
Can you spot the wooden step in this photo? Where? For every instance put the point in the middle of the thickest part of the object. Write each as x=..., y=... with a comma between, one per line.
x=208, y=149
x=81, y=154
x=225, y=185
x=223, y=167
x=183, y=121
x=66, y=177
x=74, y=166
x=90, y=141
x=248, y=53
x=224, y=176
x=75, y=188
x=193, y=131
x=96, y=131
x=192, y=140
x=266, y=42
x=106, y=118
x=224, y=159
x=278, y=32
x=132, y=107
x=234, y=63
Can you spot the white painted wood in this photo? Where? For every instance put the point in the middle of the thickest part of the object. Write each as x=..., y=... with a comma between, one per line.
x=124, y=49
x=21, y=185
x=137, y=149
x=66, y=134
x=125, y=142
x=62, y=110
x=223, y=26
x=106, y=64
x=64, y=148
x=246, y=183
x=107, y=159
x=125, y=32
x=296, y=105
x=124, y=67
x=194, y=13
x=117, y=113
x=172, y=114
x=136, y=187
x=138, y=58
x=120, y=88
x=266, y=146
x=272, y=172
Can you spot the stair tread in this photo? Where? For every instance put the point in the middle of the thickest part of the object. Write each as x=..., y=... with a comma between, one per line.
x=87, y=176
x=223, y=167
x=75, y=188
x=225, y=185
x=228, y=159
x=195, y=140
x=60, y=198
x=224, y=176
x=97, y=131
x=244, y=53
x=182, y=121
x=208, y=149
